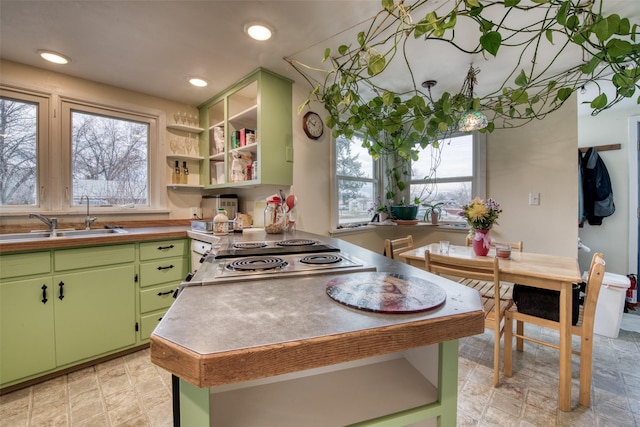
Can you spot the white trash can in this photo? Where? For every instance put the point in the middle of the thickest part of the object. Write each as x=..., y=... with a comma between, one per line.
x=610, y=304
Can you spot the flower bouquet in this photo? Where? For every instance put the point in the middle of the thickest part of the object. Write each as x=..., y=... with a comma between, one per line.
x=481, y=215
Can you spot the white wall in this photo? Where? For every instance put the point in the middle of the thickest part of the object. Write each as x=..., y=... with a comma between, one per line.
x=612, y=238
x=540, y=157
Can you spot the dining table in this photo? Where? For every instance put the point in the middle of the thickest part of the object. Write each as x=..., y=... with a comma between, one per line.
x=546, y=271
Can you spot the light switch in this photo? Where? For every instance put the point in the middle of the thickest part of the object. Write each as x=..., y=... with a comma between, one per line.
x=534, y=199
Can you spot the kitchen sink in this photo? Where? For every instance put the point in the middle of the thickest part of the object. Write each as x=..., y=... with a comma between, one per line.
x=34, y=235
x=24, y=236
x=94, y=232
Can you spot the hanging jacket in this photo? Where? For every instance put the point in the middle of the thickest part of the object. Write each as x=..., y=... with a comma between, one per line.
x=597, y=194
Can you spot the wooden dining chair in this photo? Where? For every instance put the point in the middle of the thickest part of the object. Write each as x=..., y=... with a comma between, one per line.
x=396, y=246
x=482, y=269
x=583, y=329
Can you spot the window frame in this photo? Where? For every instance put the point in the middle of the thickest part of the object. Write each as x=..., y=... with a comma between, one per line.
x=43, y=102
x=375, y=180
x=54, y=151
x=154, y=175
x=478, y=180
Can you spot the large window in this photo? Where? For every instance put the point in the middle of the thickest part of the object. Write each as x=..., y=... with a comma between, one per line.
x=357, y=181
x=452, y=173
x=23, y=151
x=51, y=156
x=109, y=159
x=446, y=174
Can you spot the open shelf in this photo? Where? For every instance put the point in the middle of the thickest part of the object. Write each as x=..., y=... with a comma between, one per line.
x=342, y=395
x=186, y=157
x=186, y=128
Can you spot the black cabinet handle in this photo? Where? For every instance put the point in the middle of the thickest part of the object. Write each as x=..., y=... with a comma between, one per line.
x=162, y=248
x=159, y=319
x=165, y=268
x=164, y=293
x=61, y=286
x=44, y=294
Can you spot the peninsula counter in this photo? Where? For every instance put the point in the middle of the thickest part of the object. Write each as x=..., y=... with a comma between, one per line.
x=281, y=352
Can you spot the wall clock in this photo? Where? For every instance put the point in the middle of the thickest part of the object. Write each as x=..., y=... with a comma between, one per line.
x=312, y=125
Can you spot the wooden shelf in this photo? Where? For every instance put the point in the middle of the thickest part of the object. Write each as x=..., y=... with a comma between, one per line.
x=186, y=128
x=185, y=186
x=187, y=157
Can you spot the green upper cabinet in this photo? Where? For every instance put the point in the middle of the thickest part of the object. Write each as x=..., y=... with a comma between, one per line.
x=249, y=128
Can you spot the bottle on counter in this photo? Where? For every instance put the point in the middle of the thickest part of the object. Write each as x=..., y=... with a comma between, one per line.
x=176, y=176
x=185, y=173
x=220, y=222
x=274, y=216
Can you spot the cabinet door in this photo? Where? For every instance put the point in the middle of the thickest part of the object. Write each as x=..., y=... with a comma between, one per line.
x=96, y=314
x=27, y=345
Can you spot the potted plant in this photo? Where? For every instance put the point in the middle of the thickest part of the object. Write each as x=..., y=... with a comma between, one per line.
x=433, y=212
x=481, y=215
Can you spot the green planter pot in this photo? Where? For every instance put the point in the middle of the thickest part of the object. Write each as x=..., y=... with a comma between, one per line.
x=404, y=212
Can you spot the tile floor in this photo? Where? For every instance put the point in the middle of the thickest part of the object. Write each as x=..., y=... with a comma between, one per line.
x=130, y=391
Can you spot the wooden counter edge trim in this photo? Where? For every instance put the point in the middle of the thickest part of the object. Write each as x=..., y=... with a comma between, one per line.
x=207, y=370
x=74, y=242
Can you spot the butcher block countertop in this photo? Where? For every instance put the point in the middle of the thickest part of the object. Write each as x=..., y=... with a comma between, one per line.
x=234, y=332
x=134, y=233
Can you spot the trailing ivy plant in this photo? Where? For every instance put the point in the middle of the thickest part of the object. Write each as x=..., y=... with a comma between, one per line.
x=399, y=124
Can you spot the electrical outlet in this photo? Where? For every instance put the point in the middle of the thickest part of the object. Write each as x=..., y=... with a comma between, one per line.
x=534, y=199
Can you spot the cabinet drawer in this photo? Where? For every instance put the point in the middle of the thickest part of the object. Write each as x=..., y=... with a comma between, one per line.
x=70, y=259
x=170, y=270
x=25, y=264
x=163, y=249
x=148, y=323
x=157, y=298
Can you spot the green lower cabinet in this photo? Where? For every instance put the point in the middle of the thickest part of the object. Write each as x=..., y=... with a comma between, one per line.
x=148, y=323
x=27, y=340
x=96, y=313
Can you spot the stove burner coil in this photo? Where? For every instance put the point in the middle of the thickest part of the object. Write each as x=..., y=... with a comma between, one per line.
x=249, y=245
x=296, y=242
x=321, y=259
x=257, y=264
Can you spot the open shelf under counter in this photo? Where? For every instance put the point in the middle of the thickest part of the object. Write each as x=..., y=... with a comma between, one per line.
x=342, y=394
x=186, y=128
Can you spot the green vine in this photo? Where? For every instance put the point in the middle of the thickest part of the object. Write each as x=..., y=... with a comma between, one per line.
x=353, y=91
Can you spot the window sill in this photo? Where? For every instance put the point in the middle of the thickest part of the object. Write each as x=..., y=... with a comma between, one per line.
x=454, y=227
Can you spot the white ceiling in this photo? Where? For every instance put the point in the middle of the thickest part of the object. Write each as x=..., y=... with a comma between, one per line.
x=152, y=46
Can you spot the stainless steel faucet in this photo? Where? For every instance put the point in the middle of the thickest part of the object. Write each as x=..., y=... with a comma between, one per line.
x=88, y=220
x=52, y=223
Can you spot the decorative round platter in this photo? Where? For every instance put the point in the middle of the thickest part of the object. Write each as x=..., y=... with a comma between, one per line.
x=386, y=292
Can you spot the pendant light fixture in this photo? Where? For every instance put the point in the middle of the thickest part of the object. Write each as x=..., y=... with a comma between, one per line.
x=472, y=119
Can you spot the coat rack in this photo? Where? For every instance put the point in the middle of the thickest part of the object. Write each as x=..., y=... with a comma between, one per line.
x=599, y=148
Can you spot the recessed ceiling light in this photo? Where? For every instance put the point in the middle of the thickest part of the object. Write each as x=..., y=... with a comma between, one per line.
x=258, y=31
x=54, y=57
x=197, y=81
